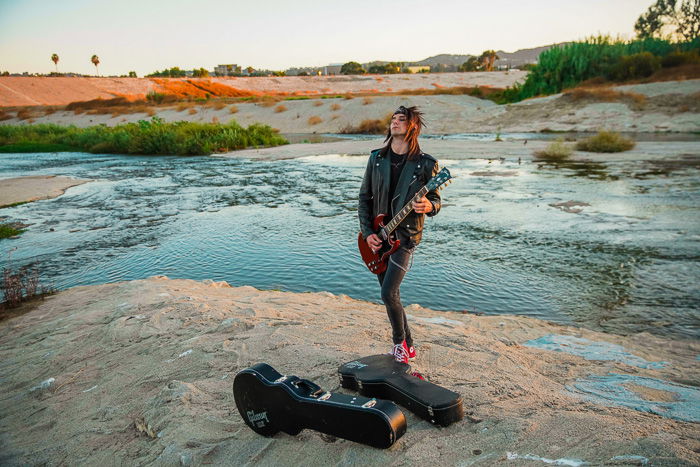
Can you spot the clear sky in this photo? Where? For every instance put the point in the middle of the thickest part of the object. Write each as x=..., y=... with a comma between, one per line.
x=145, y=35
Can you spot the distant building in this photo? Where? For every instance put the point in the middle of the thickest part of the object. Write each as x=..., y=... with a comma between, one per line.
x=418, y=69
x=332, y=69
x=227, y=70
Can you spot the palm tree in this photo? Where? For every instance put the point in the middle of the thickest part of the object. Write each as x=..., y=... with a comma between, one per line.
x=96, y=61
x=54, y=59
x=488, y=58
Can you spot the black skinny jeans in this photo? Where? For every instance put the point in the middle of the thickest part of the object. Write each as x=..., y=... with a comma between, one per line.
x=390, y=281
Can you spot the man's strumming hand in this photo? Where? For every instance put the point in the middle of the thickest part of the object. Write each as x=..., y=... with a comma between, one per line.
x=374, y=242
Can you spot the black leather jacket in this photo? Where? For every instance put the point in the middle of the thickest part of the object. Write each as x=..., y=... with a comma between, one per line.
x=375, y=197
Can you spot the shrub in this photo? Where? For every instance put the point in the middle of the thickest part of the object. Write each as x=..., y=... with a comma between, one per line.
x=21, y=285
x=24, y=114
x=335, y=107
x=281, y=108
x=233, y=109
x=146, y=137
x=315, y=120
x=318, y=103
x=635, y=66
x=557, y=149
x=367, y=101
x=605, y=141
x=680, y=58
x=192, y=111
x=566, y=66
x=155, y=97
x=369, y=127
x=268, y=101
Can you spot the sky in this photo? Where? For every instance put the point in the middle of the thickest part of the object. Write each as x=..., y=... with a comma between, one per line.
x=149, y=35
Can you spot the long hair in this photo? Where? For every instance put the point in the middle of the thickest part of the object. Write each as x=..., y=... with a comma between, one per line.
x=414, y=119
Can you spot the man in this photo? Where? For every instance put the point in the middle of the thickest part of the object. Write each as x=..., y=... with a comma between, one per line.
x=395, y=173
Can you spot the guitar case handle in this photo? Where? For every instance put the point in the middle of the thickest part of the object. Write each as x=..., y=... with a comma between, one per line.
x=313, y=389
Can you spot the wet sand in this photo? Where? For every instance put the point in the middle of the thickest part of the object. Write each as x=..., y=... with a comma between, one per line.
x=35, y=187
x=140, y=372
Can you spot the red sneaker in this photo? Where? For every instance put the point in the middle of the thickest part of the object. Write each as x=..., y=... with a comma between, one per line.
x=400, y=353
x=411, y=352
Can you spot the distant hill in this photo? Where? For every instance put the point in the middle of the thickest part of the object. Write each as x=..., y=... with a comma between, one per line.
x=519, y=57
x=444, y=59
x=451, y=62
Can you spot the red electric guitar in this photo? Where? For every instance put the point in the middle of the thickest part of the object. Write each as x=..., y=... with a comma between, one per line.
x=377, y=262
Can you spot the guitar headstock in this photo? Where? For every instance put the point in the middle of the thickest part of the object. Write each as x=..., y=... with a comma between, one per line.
x=442, y=178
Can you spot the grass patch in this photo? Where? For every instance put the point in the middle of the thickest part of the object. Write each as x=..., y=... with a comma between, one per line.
x=9, y=230
x=146, y=137
x=12, y=205
x=557, y=149
x=28, y=147
x=318, y=103
x=605, y=94
x=233, y=109
x=605, y=141
x=281, y=108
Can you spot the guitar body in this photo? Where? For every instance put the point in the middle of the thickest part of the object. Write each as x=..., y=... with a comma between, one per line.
x=377, y=262
x=270, y=402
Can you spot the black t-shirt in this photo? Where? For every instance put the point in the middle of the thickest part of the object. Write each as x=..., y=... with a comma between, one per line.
x=397, y=163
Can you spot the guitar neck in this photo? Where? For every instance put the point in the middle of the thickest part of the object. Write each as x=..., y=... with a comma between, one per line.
x=401, y=215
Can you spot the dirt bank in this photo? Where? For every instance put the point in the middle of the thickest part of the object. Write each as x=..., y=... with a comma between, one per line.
x=140, y=372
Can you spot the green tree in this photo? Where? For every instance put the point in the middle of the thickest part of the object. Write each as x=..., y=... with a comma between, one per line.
x=54, y=59
x=200, y=73
x=96, y=61
x=377, y=69
x=670, y=18
x=352, y=68
x=132, y=74
x=394, y=67
x=472, y=64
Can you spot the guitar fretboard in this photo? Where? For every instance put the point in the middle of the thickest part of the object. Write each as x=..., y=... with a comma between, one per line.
x=401, y=215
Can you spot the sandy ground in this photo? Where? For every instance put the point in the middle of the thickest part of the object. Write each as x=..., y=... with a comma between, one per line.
x=454, y=149
x=672, y=106
x=33, y=188
x=21, y=91
x=140, y=372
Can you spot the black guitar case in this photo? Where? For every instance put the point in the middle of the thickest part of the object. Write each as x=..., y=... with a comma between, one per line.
x=270, y=402
x=382, y=377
